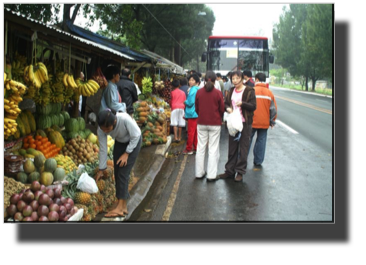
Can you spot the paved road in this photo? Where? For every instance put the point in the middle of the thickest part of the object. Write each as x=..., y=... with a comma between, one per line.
x=294, y=184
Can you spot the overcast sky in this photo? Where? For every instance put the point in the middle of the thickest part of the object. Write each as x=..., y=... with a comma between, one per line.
x=235, y=19
x=245, y=19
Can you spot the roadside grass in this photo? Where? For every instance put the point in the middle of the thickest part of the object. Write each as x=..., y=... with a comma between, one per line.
x=324, y=91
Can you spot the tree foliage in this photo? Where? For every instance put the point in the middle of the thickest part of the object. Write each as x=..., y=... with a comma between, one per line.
x=46, y=13
x=302, y=41
x=174, y=31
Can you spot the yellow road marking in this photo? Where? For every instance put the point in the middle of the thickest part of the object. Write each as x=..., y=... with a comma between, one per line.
x=173, y=195
x=306, y=105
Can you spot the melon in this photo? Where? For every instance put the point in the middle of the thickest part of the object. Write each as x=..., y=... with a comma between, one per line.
x=39, y=160
x=33, y=176
x=72, y=125
x=50, y=165
x=46, y=178
x=81, y=122
x=28, y=166
x=59, y=174
x=22, y=177
x=87, y=132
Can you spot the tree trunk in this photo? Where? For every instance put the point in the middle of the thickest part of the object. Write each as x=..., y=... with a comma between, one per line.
x=313, y=84
x=306, y=83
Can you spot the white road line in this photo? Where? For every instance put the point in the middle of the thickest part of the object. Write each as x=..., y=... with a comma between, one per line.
x=286, y=126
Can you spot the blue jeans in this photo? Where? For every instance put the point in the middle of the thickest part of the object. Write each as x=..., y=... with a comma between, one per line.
x=260, y=145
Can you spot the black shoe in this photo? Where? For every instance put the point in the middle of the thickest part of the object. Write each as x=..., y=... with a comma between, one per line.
x=257, y=165
x=202, y=176
x=214, y=179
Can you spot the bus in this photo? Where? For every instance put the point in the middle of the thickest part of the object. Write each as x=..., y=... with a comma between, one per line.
x=230, y=53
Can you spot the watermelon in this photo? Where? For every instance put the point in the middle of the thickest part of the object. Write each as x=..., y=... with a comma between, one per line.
x=72, y=125
x=82, y=134
x=66, y=115
x=87, y=132
x=81, y=122
x=61, y=120
x=72, y=135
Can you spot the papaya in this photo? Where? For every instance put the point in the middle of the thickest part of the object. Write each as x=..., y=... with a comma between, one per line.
x=150, y=124
x=143, y=104
x=142, y=119
x=143, y=114
x=140, y=109
x=41, y=133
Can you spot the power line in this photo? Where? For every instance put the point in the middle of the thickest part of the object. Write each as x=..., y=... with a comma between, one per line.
x=165, y=29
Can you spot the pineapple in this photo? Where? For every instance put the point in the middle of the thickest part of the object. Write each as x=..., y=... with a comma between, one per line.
x=82, y=198
x=101, y=185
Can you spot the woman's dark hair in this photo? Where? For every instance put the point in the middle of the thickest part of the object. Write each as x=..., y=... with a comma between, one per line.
x=195, y=78
x=225, y=78
x=248, y=73
x=261, y=77
x=111, y=71
x=175, y=83
x=238, y=73
x=210, y=79
x=183, y=81
x=106, y=118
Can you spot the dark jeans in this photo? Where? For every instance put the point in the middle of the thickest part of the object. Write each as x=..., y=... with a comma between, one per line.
x=259, y=146
x=122, y=174
x=238, y=152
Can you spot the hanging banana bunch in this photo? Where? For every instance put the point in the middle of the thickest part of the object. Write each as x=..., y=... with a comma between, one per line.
x=13, y=92
x=69, y=81
x=36, y=75
x=88, y=88
x=43, y=94
x=57, y=89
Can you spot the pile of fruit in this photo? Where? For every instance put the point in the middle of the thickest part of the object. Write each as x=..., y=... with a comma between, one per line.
x=66, y=163
x=11, y=187
x=76, y=127
x=49, y=115
x=92, y=203
x=43, y=170
x=81, y=150
x=42, y=144
x=13, y=92
x=147, y=86
x=40, y=203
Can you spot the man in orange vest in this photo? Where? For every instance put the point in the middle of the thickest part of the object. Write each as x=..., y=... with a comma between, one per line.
x=264, y=117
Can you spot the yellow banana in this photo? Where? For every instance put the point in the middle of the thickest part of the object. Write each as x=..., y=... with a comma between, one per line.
x=5, y=76
x=69, y=81
x=7, y=86
x=44, y=72
x=6, y=101
x=93, y=86
x=64, y=80
x=26, y=76
x=73, y=82
x=90, y=89
x=31, y=73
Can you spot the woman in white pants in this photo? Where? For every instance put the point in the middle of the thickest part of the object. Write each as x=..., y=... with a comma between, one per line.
x=210, y=109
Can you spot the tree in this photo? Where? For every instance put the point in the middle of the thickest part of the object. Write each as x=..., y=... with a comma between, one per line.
x=303, y=41
x=154, y=27
x=47, y=13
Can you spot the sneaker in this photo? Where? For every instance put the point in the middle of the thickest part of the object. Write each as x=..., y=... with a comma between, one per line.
x=185, y=152
x=194, y=151
x=257, y=165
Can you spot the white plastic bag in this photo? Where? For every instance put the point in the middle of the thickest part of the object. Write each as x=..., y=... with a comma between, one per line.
x=87, y=184
x=234, y=122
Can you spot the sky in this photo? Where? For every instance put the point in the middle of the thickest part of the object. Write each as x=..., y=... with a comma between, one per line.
x=245, y=19
x=235, y=19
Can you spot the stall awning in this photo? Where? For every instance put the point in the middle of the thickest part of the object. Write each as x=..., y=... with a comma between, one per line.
x=14, y=17
x=86, y=34
x=164, y=63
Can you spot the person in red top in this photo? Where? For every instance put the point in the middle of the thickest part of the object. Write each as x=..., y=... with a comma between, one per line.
x=177, y=107
x=210, y=108
x=264, y=116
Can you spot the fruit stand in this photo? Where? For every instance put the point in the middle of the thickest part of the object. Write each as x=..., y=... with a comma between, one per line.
x=46, y=149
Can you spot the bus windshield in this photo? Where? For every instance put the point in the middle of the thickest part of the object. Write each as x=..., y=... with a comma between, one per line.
x=225, y=55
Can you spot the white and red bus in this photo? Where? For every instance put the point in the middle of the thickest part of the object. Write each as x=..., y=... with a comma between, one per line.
x=231, y=53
